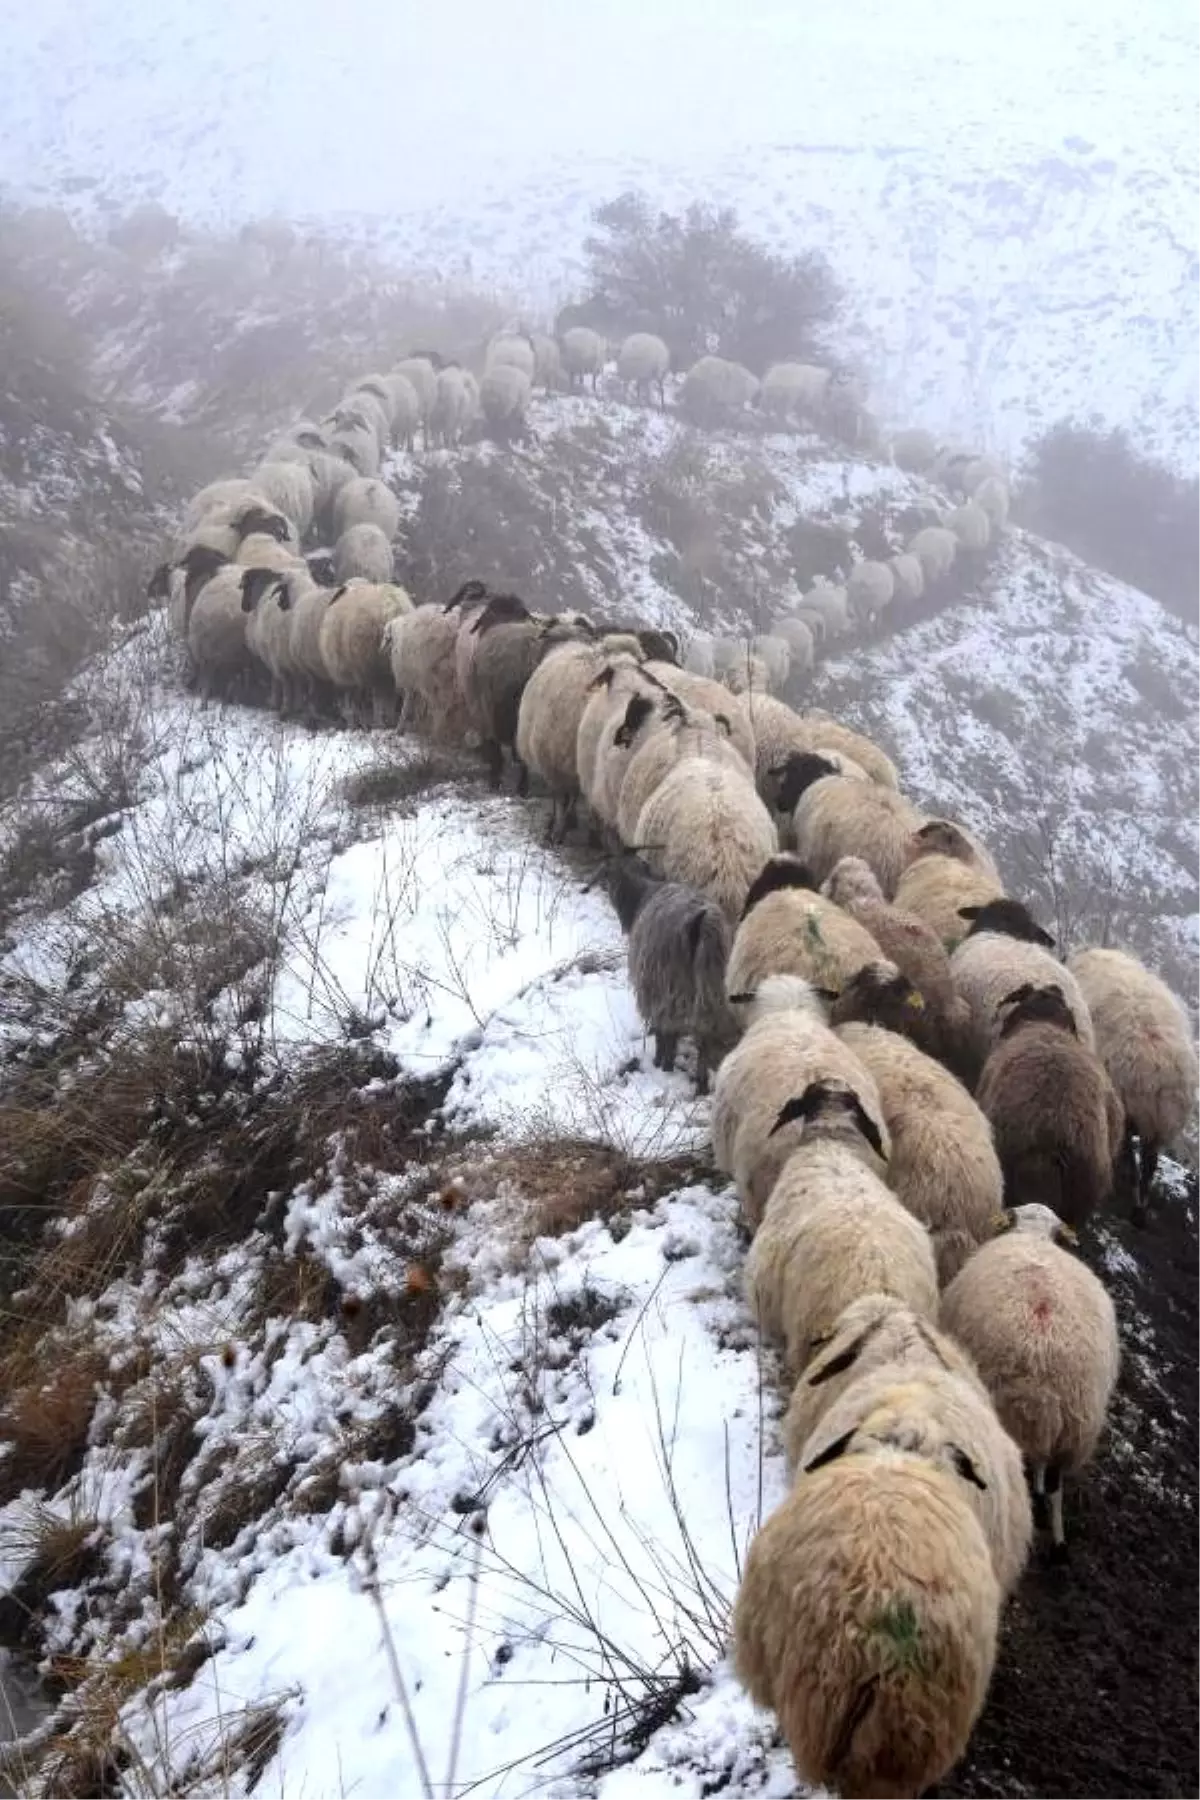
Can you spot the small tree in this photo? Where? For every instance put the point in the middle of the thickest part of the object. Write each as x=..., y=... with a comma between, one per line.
x=704, y=285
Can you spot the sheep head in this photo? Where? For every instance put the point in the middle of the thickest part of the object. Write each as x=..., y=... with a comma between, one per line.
x=778, y=872
x=879, y=994
x=1030, y=1005
x=797, y=773
x=1009, y=918
x=833, y=1106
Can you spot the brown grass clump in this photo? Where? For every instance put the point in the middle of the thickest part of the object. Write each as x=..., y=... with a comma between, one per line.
x=393, y=781
x=45, y=1420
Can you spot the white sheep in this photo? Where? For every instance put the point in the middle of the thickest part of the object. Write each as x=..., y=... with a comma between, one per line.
x=970, y=525
x=584, y=354
x=1043, y=1334
x=1006, y=949
x=797, y=634
x=363, y=550
x=421, y=376
x=914, y=450
x=216, y=632
x=711, y=697
x=643, y=362
x=794, y=391
x=937, y=888
x=553, y=703
x=353, y=650
x=516, y=350
x=908, y=576
x=779, y=731
x=831, y=605
x=367, y=502
x=870, y=587
x=452, y=408
x=676, y=733
x=422, y=649
x=991, y=496
x=835, y=816
x=290, y=487
x=359, y=446
x=717, y=392
x=1144, y=1039
x=706, y=825
x=787, y=928
x=935, y=548
x=504, y=393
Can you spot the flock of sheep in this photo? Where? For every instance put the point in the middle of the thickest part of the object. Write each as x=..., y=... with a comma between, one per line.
x=900, y=1062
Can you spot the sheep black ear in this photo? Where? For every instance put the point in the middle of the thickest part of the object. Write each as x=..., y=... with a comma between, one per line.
x=602, y=680
x=867, y=1126
x=338, y=592
x=966, y=1468
x=801, y=769
x=636, y=714
x=1044, y=938
x=159, y=584
x=723, y=722
x=845, y=1359
x=802, y=1106
x=831, y=1452
x=970, y=913
x=740, y=999
x=828, y=995
x=1018, y=994
x=777, y=872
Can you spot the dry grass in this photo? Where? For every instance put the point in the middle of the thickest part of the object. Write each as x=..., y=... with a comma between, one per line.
x=45, y=1420
x=394, y=782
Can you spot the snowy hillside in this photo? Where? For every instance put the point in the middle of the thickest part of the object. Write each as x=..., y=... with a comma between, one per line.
x=1009, y=197
x=381, y=1413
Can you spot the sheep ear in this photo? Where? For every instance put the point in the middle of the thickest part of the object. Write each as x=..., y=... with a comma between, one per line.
x=845, y=1359
x=966, y=1468
x=828, y=995
x=1002, y=1222
x=1018, y=994
x=602, y=680
x=1044, y=938
x=740, y=999
x=969, y=913
x=1066, y=1235
x=831, y=1452
x=723, y=722
x=866, y=1126
x=338, y=592
x=802, y=1106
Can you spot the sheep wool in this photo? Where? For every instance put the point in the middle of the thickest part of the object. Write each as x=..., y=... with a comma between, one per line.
x=717, y=392
x=1042, y=1331
x=216, y=631
x=642, y=363
x=1005, y=950
x=834, y=817
x=290, y=487
x=363, y=551
x=970, y=525
x=950, y=1422
x=352, y=644
x=787, y=928
x=672, y=739
x=792, y=392
x=869, y=589
x=503, y=396
x=705, y=826
x=867, y=1619
x=935, y=547
x=584, y=354
x=935, y=888
x=908, y=576
x=367, y=502
x=729, y=710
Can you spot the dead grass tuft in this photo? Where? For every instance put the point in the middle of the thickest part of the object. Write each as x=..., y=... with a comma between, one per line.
x=45, y=1420
x=57, y=1553
x=393, y=781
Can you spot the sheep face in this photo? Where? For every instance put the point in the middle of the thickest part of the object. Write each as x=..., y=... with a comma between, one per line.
x=1007, y=917
x=1036, y=1220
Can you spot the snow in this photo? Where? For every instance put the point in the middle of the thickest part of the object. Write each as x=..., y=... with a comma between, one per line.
x=1008, y=195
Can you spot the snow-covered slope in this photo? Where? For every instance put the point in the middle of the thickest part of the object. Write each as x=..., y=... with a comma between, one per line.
x=1009, y=196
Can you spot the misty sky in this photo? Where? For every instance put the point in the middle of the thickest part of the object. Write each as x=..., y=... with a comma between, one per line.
x=364, y=105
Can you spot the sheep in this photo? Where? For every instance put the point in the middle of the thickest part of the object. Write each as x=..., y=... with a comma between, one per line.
x=787, y=1048
x=797, y=634
x=267, y=604
x=1056, y=1118
x=421, y=375
x=717, y=392
x=914, y=450
x=908, y=577
x=623, y=735
x=1144, y=1040
x=943, y=1167
x=874, y=1330
x=367, y=502
x=184, y=582
x=835, y=816
x=514, y=349
x=259, y=550
x=905, y=940
x=1005, y=949
x=511, y=643
x=366, y=408
x=363, y=550
x=642, y=362
x=831, y=605
x=421, y=649
x=742, y=670
x=978, y=469
x=503, y=396
x=225, y=524
x=792, y=391
x=216, y=631
x=217, y=495
x=936, y=886
x=705, y=825
x=357, y=445
x=611, y=690
x=970, y=525
x=352, y=647
x=867, y=1618
x=678, y=945
x=584, y=354
x=547, y=371
x=710, y=697
x=290, y=487
x=991, y=497
x=950, y=1420
x=401, y=402
x=1042, y=1332
x=330, y=474
x=831, y=1229
x=787, y=928
x=944, y=837
x=676, y=733
x=779, y=731
x=776, y=654
x=308, y=605
x=869, y=589
x=935, y=548
x=452, y=408
x=553, y=704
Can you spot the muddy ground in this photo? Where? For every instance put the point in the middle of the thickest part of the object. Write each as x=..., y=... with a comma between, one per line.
x=1095, y=1691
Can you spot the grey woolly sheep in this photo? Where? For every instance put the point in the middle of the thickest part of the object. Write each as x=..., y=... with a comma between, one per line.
x=642, y=362
x=797, y=634
x=787, y=928
x=872, y=1331
x=776, y=652
x=908, y=576
x=914, y=450
x=548, y=371
x=363, y=550
x=290, y=487
x=949, y=1420
x=794, y=391
x=943, y=1165
x=757, y=1115
x=367, y=502
x=991, y=497
x=970, y=525
x=675, y=734
x=1005, y=948
x=401, y=402
x=717, y=392
x=935, y=548
x=705, y=825
x=503, y=396
x=870, y=587
x=835, y=816
x=710, y=697
x=352, y=645
x=452, y=408
x=584, y=354
x=1055, y=1116
x=678, y=944
x=1042, y=1332
x=511, y=644
x=831, y=1230
x=867, y=1619
x=914, y=947
x=1144, y=1040
x=516, y=350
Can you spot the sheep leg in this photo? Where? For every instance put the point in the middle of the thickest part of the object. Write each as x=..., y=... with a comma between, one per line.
x=570, y=816
x=522, y=776
x=494, y=757
x=666, y=1047
x=1037, y=1477
x=703, y=1070
x=1058, y=1540
x=1149, y=1169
